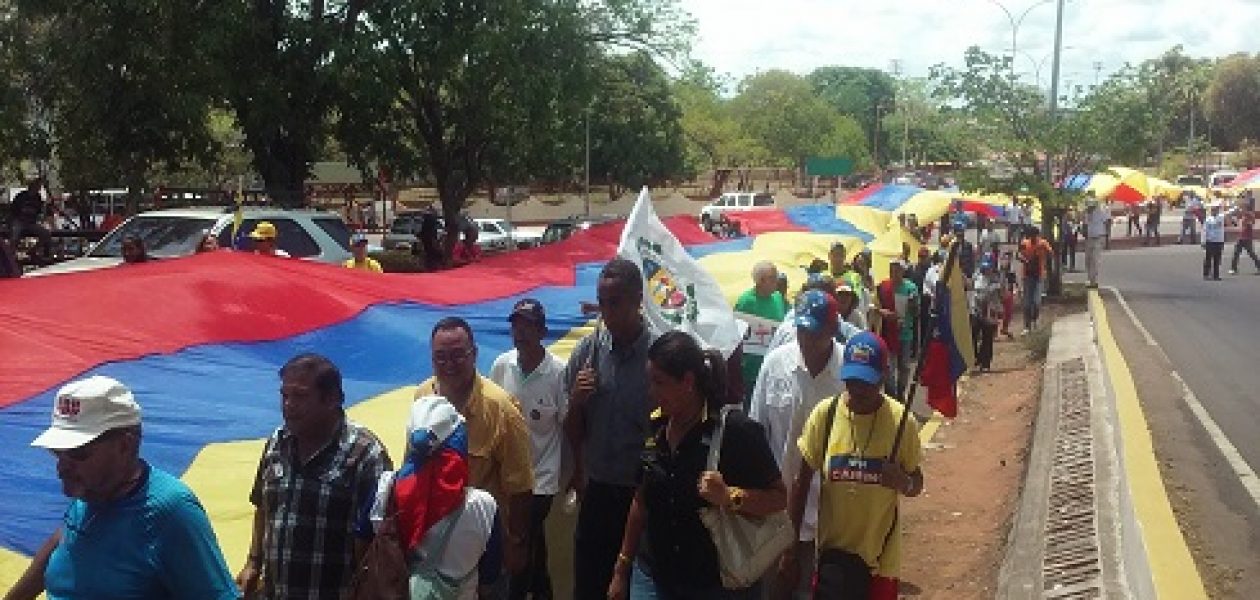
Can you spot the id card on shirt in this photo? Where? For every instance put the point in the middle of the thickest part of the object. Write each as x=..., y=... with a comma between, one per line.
x=854, y=469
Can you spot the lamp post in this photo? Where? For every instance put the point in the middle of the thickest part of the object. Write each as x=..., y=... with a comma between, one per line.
x=1015, y=23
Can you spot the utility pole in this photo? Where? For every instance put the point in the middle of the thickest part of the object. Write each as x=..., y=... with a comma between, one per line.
x=905, y=115
x=586, y=173
x=1048, y=217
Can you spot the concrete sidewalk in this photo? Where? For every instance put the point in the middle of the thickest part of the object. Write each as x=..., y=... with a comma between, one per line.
x=1078, y=532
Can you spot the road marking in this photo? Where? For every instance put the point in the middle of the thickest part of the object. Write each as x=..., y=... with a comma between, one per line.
x=1172, y=567
x=1246, y=475
x=1150, y=340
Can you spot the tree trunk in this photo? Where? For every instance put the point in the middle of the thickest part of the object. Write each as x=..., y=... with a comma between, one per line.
x=1049, y=224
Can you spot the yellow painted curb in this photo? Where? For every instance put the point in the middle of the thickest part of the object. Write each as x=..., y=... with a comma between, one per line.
x=1172, y=568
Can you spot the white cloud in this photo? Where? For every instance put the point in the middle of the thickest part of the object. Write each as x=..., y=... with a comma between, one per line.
x=740, y=37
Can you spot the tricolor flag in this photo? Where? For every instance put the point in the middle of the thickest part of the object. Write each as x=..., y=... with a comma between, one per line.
x=677, y=292
x=949, y=351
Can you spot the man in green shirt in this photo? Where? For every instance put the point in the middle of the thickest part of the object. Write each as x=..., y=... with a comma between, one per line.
x=762, y=308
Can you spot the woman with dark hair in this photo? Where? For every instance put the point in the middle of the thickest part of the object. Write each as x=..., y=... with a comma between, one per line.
x=133, y=250
x=680, y=560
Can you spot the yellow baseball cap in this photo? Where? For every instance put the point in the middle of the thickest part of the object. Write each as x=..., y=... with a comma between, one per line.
x=264, y=230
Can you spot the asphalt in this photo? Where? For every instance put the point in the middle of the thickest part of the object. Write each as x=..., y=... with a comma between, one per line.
x=1208, y=329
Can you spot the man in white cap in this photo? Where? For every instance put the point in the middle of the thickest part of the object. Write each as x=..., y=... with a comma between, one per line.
x=131, y=530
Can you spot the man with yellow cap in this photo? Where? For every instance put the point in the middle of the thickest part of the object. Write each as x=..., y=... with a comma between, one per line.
x=264, y=236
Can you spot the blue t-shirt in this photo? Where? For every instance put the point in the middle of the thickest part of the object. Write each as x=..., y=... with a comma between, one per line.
x=155, y=543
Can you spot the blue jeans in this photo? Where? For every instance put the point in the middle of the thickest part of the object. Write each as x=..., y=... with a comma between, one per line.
x=643, y=588
x=1032, y=301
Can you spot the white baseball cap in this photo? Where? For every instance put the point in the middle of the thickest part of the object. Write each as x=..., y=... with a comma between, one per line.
x=84, y=409
x=435, y=415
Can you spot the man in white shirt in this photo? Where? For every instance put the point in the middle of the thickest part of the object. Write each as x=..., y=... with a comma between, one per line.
x=793, y=379
x=535, y=377
x=1213, y=242
x=1095, y=237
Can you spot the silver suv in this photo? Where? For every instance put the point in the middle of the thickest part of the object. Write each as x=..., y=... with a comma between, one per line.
x=308, y=234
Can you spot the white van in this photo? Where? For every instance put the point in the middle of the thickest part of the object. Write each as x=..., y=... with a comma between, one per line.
x=1220, y=179
x=736, y=202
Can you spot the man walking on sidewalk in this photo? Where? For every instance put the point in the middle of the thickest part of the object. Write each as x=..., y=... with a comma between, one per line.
x=1213, y=242
x=1095, y=235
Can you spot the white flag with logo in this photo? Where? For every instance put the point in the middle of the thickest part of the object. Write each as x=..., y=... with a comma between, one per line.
x=677, y=292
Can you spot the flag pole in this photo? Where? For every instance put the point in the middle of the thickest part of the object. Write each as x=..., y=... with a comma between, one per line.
x=933, y=318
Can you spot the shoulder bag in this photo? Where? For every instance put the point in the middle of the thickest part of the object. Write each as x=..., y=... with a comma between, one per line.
x=382, y=572
x=746, y=546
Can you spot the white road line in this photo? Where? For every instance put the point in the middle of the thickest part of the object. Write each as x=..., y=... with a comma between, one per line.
x=1246, y=475
x=1150, y=340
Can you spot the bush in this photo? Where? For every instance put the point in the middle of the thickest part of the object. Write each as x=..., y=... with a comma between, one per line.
x=399, y=261
x=1037, y=343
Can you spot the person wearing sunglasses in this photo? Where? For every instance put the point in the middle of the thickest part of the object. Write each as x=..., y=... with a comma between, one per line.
x=131, y=530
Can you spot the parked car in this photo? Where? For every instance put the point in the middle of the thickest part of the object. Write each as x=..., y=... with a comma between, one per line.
x=309, y=234
x=499, y=234
x=562, y=229
x=731, y=202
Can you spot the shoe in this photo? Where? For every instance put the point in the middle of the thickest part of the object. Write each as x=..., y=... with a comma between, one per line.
x=1217, y=278
x=1024, y=332
x=1233, y=271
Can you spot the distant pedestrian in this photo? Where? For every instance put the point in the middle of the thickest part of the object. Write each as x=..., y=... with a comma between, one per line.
x=1095, y=231
x=1190, y=218
x=1154, y=212
x=762, y=307
x=1035, y=253
x=466, y=251
x=265, y=237
x=133, y=250
x=897, y=299
x=1213, y=242
x=26, y=215
x=1010, y=286
x=1246, y=235
x=986, y=313
x=208, y=243
x=360, y=260
x=1068, y=228
x=1134, y=221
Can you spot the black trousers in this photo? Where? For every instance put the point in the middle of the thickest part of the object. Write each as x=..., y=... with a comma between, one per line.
x=983, y=332
x=597, y=541
x=1239, y=247
x=535, y=580
x=1212, y=259
x=1068, y=252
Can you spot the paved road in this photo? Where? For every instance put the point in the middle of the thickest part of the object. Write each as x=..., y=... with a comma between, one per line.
x=1209, y=331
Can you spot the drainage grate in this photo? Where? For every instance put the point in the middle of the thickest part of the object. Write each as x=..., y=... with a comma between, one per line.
x=1071, y=566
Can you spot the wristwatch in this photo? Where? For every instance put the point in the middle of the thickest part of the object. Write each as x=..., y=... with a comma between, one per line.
x=736, y=497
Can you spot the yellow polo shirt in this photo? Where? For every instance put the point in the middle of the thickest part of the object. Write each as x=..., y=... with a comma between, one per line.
x=369, y=264
x=855, y=512
x=499, y=452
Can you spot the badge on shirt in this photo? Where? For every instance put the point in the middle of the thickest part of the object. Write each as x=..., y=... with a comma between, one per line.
x=855, y=469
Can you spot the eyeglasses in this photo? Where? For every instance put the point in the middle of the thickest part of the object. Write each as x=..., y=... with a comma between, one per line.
x=451, y=358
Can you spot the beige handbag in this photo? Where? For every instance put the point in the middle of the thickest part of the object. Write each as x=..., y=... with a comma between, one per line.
x=746, y=546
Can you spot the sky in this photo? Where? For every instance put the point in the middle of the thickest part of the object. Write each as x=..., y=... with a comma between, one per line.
x=741, y=37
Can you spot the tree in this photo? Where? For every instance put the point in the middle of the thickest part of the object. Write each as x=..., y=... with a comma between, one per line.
x=462, y=94
x=780, y=110
x=1231, y=98
x=864, y=94
x=928, y=133
x=121, y=85
x=713, y=137
x=20, y=137
x=276, y=60
x=636, y=138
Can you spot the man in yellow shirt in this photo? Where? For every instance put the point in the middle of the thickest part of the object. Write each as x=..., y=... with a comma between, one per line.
x=358, y=246
x=499, y=451
x=850, y=438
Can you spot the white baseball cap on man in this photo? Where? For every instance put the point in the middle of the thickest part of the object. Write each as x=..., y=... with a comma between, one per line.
x=84, y=409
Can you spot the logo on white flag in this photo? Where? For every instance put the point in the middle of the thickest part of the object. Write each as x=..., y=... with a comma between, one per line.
x=675, y=296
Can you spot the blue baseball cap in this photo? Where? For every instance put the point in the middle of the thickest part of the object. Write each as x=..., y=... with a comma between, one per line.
x=358, y=238
x=865, y=358
x=816, y=309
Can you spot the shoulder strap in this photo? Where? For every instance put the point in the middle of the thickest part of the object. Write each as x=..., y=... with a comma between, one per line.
x=715, y=443
x=831, y=419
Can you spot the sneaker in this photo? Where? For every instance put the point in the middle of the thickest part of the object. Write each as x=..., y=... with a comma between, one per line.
x=1233, y=271
x=1024, y=332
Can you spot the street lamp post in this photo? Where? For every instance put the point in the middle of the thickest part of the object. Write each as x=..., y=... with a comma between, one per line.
x=1015, y=23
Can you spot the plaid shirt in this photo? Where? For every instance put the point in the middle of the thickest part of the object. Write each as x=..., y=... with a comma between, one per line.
x=312, y=509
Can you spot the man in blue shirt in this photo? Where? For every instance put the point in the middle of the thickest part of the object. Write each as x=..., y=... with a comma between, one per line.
x=131, y=530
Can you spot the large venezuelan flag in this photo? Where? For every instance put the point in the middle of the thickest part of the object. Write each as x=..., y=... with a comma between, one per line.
x=200, y=341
